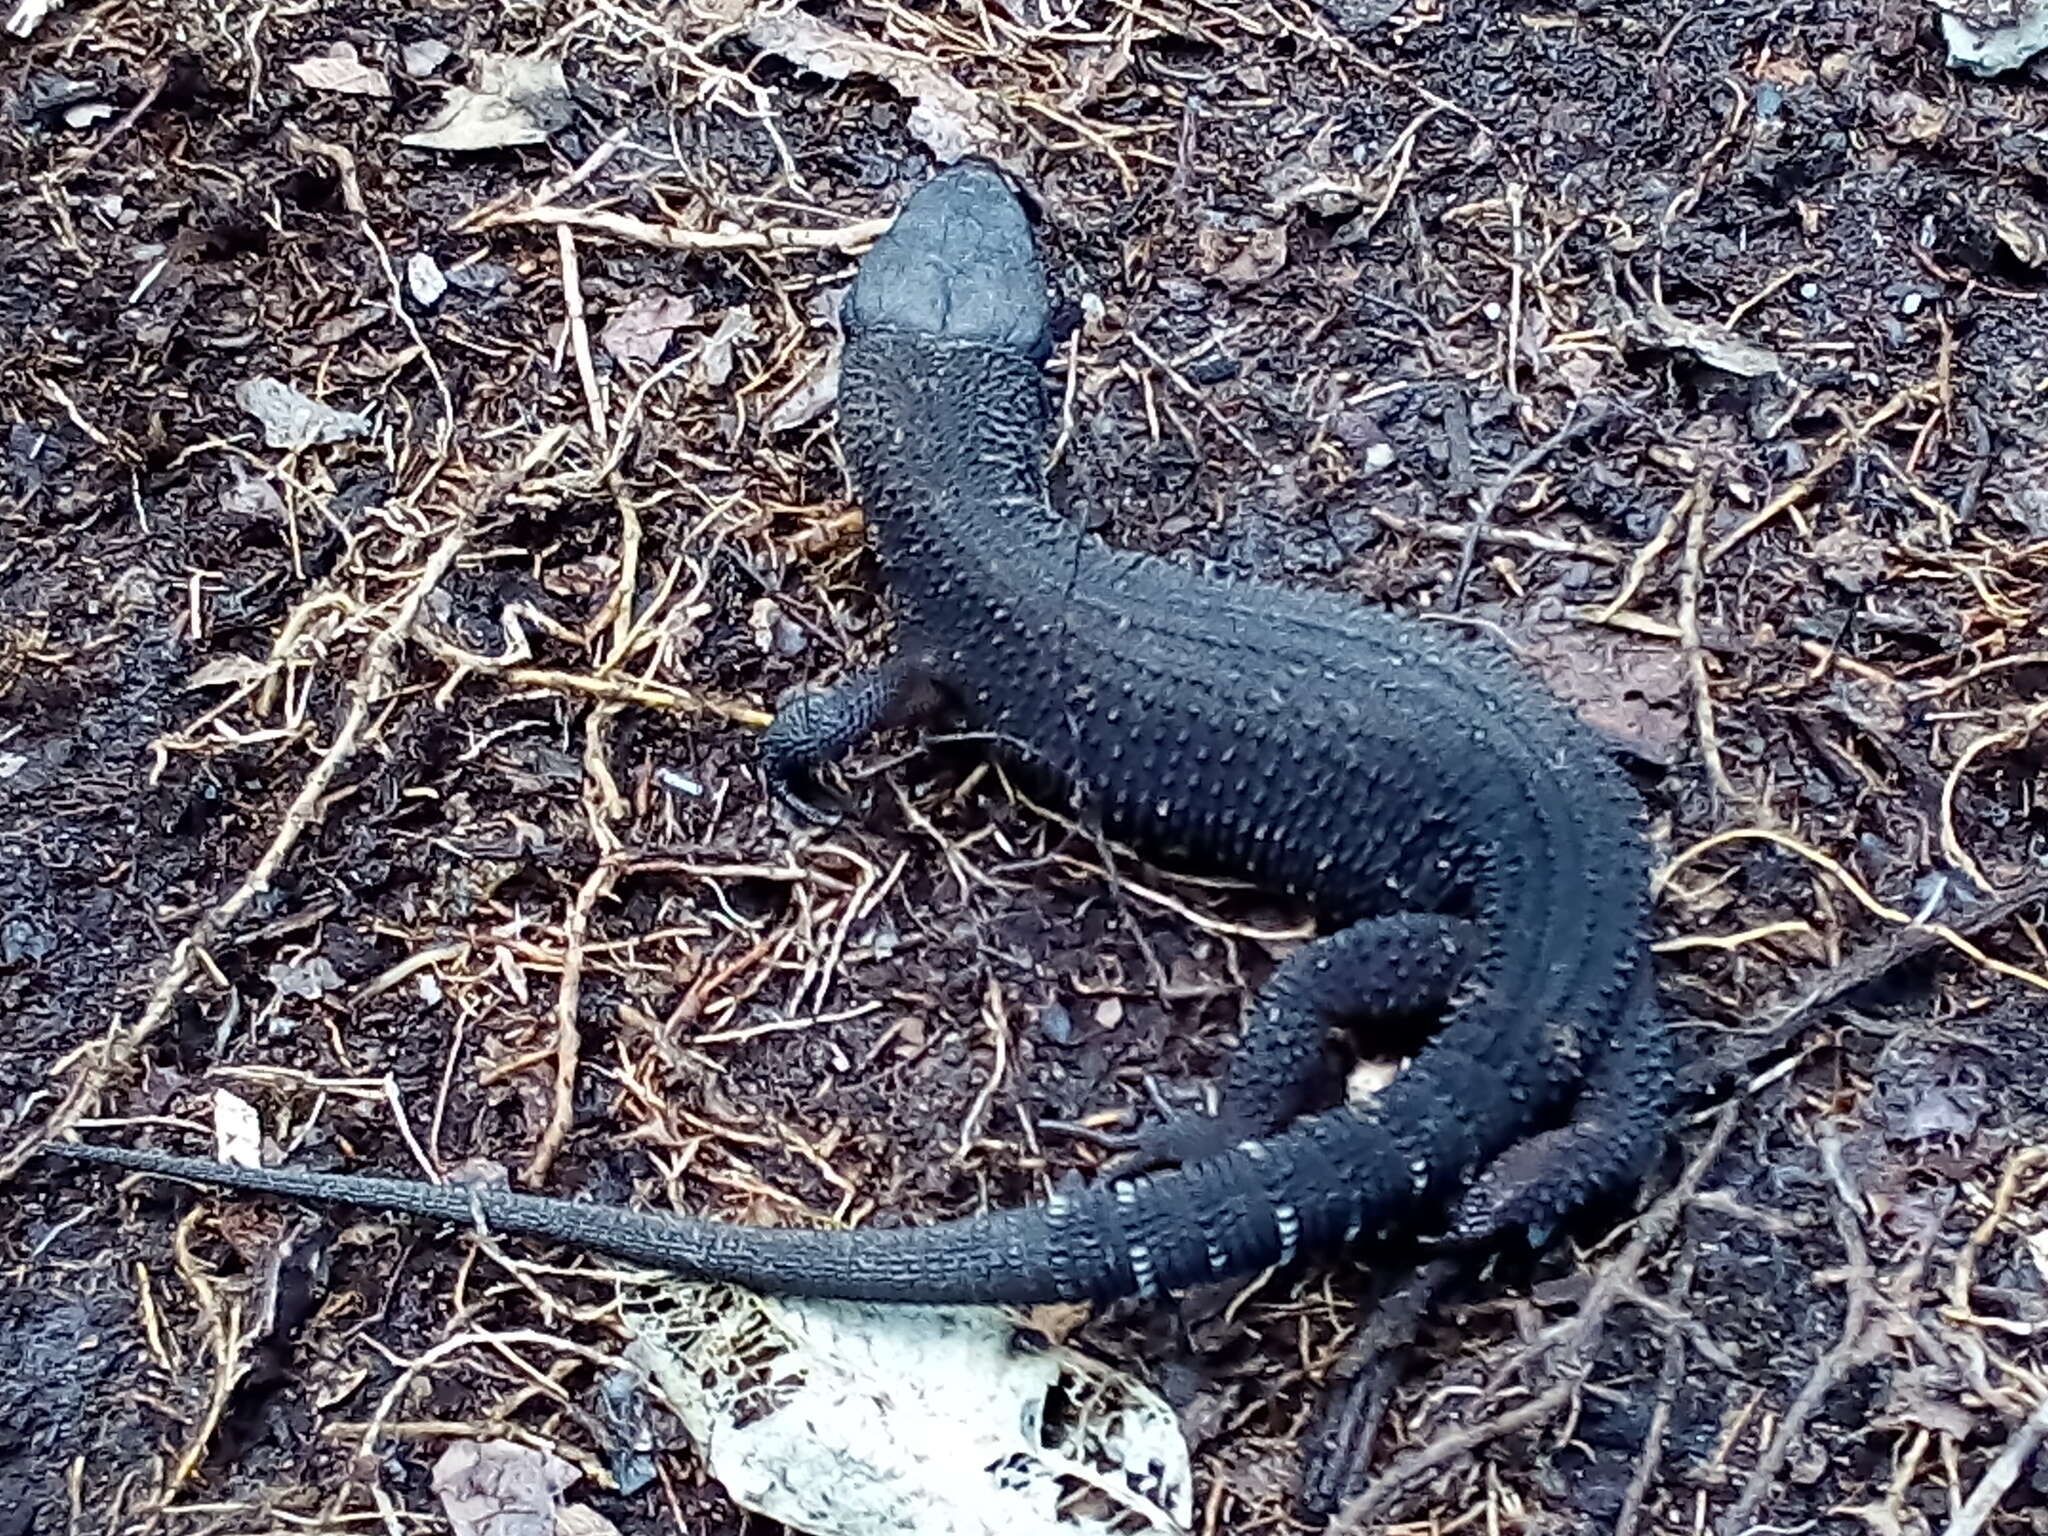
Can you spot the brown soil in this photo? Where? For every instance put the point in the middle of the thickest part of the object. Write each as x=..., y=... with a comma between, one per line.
x=341, y=778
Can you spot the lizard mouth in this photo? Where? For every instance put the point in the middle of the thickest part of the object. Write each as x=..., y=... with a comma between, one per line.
x=960, y=264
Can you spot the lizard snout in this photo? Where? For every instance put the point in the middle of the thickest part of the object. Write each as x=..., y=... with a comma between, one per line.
x=959, y=264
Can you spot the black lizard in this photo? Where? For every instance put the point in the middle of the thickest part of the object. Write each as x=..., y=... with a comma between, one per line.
x=1465, y=842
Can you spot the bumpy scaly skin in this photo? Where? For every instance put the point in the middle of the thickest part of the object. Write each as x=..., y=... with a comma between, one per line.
x=1462, y=838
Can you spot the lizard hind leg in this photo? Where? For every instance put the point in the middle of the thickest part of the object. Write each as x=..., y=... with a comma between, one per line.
x=1406, y=963
x=817, y=726
x=1613, y=1130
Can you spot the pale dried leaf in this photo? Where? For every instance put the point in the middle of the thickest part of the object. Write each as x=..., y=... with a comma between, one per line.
x=1715, y=345
x=945, y=115
x=1989, y=37
x=237, y=1130
x=422, y=58
x=228, y=671
x=353, y=322
x=1637, y=691
x=813, y=395
x=582, y=1520
x=339, y=69
x=715, y=359
x=1264, y=254
x=1910, y=118
x=251, y=497
x=639, y=334
x=500, y=1488
x=514, y=101
x=311, y=978
x=291, y=420
x=2037, y=1251
x=2024, y=235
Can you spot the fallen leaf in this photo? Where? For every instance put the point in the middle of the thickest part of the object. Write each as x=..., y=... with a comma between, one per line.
x=639, y=334
x=1783, y=71
x=1635, y=691
x=1909, y=118
x=1263, y=255
x=1988, y=37
x=813, y=396
x=292, y=420
x=1851, y=559
x=311, y=979
x=422, y=58
x=2037, y=1250
x=1715, y=345
x=2024, y=235
x=228, y=672
x=515, y=101
x=582, y=1520
x=499, y=1488
x=948, y=118
x=237, y=1130
x=334, y=331
x=339, y=69
x=715, y=358
x=1917, y=1399
x=252, y=498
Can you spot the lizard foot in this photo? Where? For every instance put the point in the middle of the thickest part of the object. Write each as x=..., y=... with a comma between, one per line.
x=1179, y=1141
x=1178, y=1138
x=1530, y=1189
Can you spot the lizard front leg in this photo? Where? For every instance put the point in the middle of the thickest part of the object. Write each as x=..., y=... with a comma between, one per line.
x=816, y=726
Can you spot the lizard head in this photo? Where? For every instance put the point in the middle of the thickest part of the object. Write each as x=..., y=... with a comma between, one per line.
x=959, y=264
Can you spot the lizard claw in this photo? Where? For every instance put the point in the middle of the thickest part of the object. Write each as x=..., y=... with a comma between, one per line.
x=1184, y=1138
x=1178, y=1138
x=1526, y=1190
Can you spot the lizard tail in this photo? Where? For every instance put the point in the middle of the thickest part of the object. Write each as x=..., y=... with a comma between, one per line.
x=1310, y=1188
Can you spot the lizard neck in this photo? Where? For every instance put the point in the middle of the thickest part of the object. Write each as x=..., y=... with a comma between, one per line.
x=945, y=442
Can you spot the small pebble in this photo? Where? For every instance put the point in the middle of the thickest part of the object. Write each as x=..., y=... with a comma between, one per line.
x=423, y=277
x=678, y=783
x=1056, y=1024
x=1109, y=1012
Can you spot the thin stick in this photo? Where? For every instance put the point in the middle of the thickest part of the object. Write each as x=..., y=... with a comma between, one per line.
x=849, y=238
x=1999, y=1477
x=1575, y=425
x=1852, y=1348
x=579, y=338
x=376, y=674
x=1691, y=579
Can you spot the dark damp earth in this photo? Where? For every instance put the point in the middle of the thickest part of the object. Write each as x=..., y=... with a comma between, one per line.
x=351, y=745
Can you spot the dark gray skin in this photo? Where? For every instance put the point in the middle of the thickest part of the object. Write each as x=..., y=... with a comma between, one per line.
x=1466, y=844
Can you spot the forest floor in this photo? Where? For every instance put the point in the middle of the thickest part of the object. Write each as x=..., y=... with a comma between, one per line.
x=377, y=758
